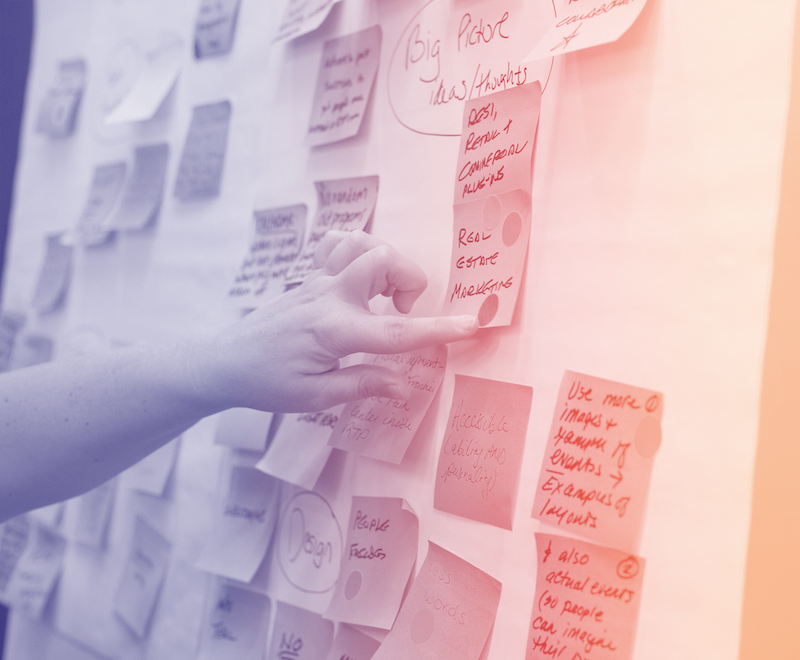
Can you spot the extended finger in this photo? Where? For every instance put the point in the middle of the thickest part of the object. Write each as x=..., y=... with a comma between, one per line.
x=329, y=241
x=360, y=381
x=346, y=250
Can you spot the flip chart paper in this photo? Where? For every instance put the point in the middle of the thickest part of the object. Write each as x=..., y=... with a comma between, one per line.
x=160, y=70
x=490, y=244
x=203, y=158
x=215, y=27
x=350, y=644
x=497, y=139
x=448, y=613
x=478, y=471
x=343, y=204
x=599, y=456
x=587, y=601
x=91, y=228
x=236, y=625
x=59, y=110
x=243, y=428
x=299, y=451
x=380, y=552
x=302, y=17
x=383, y=428
x=584, y=23
x=10, y=325
x=151, y=474
x=94, y=514
x=299, y=635
x=344, y=85
x=144, y=190
x=142, y=577
x=242, y=531
x=277, y=241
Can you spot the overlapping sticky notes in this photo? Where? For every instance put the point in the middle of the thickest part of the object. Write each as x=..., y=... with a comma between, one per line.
x=584, y=24
x=161, y=65
x=151, y=474
x=342, y=204
x=10, y=325
x=39, y=554
x=344, y=85
x=94, y=514
x=59, y=108
x=215, y=27
x=448, y=613
x=142, y=577
x=244, y=527
x=236, y=624
x=478, y=471
x=243, y=428
x=587, y=601
x=380, y=552
x=383, y=428
x=92, y=226
x=302, y=17
x=599, y=456
x=203, y=157
x=299, y=451
x=144, y=190
x=350, y=644
x=276, y=243
x=299, y=635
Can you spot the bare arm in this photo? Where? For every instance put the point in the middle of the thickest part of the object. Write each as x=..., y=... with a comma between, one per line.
x=66, y=427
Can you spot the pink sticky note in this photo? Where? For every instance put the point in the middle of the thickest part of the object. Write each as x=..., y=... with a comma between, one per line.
x=448, y=613
x=497, y=138
x=343, y=204
x=479, y=463
x=276, y=243
x=350, y=644
x=587, y=601
x=490, y=244
x=380, y=552
x=344, y=85
x=299, y=635
x=244, y=527
x=596, y=470
x=383, y=428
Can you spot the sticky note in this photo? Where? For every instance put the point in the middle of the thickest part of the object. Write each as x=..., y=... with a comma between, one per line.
x=299, y=635
x=383, y=428
x=276, y=243
x=478, y=471
x=215, y=27
x=350, y=644
x=490, y=245
x=243, y=428
x=496, y=150
x=142, y=577
x=94, y=514
x=584, y=23
x=301, y=17
x=203, y=157
x=448, y=613
x=10, y=325
x=299, y=451
x=151, y=474
x=244, y=527
x=54, y=275
x=344, y=85
x=596, y=470
x=144, y=189
x=586, y=603
x=236, y=624
x=343, y=204
x=380, y=552
x=91, y=229
x=159, y=70
x=59, y=109
x=14, y=535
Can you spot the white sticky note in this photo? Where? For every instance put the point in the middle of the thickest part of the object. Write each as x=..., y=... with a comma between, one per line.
x=151, y=474
x=203, y=157
x=243, y=428
x=91, y=228
x=54, y=275
x=299, y=635
x=144, y=190
x=142, y=577
x=215, y=27
x=302, y=17
x=59, y=109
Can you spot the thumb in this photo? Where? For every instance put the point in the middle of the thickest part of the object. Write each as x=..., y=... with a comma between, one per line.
x=360, y=381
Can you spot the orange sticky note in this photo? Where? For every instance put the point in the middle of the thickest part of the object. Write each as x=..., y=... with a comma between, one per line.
x=448, y=613
x=383, y=428
x=596, y=470
x=479, y=463
x=587, y=601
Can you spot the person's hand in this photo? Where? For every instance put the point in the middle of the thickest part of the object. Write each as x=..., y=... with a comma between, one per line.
x=284, y=356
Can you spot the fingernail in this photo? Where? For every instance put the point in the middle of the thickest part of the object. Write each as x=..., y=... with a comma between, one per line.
x=467, y=323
